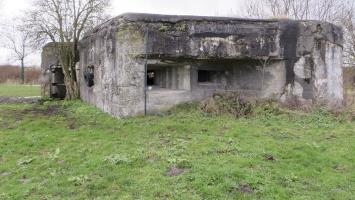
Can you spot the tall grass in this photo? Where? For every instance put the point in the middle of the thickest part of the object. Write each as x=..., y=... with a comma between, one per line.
x=11, y=75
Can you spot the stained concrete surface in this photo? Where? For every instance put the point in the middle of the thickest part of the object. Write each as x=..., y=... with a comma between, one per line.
x=283, y=59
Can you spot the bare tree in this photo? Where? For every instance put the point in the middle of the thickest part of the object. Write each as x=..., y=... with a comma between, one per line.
x=340, y=12
x=326, y=10
x=347, y=20
x=18, y=42
x=64, y=22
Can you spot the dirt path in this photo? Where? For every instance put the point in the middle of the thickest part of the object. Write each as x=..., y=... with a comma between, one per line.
x=19, y=100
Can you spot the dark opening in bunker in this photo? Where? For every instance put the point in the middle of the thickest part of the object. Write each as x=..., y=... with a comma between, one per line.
x=246, y=77
x=212, y=75
x=205, y=76
x=171, y=77
x=151, y=78
x=58, y=89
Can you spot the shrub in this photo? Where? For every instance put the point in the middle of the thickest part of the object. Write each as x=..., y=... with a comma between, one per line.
x=228, y=103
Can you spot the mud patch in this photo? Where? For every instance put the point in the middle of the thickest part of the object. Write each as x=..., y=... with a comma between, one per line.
x=47, y=111
x=14, y=116
x=175, y=171
x=269, y=157
x=244, y=188
x=19, y=100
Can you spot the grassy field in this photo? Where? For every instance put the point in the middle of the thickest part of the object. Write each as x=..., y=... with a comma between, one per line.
x=19, y=90
x=68, y=150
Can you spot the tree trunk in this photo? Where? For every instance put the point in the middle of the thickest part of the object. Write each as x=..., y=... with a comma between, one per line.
x=22, y=71
x=67, y=59
x=72, y=89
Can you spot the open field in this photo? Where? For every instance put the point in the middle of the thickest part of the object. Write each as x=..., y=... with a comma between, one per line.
x=19, y=90
x=68, y=150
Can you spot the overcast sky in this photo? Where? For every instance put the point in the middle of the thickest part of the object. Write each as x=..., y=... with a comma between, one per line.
x=13, y=8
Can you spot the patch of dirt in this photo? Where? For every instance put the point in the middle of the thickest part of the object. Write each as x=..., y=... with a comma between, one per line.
x=72, y=125
x=175, y=171
x=33, y=112
x=5, y=174
x=244, y=188
x=270, y=158
x=37, y=111
x=19, y=100
x=47, y=111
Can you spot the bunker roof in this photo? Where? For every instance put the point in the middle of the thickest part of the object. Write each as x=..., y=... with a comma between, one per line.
x=145, y=17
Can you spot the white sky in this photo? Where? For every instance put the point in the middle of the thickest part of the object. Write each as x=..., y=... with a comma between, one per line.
x=14, y=8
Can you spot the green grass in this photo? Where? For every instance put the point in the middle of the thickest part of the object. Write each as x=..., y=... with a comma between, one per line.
x=68, y=150
x=19, y=90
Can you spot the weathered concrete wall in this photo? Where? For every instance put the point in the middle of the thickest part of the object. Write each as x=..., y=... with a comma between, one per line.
x=49, y=57
x=317, y=66
x=118, y=73
x=289, y=60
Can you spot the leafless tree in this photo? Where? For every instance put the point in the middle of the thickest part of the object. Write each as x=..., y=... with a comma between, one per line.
x=347, y=20
x=326, y=10
x=17, y=41
x=340, y=12
x=64, y=22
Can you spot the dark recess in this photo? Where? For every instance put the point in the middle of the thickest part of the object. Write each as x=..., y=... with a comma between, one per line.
x=288, y=41
x=58, y=89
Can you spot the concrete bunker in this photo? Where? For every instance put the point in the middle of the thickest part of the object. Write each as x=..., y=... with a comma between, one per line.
x=52, y=74
x=188, y=58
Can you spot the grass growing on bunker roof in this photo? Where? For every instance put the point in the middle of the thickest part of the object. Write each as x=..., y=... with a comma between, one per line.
x=69, y=150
